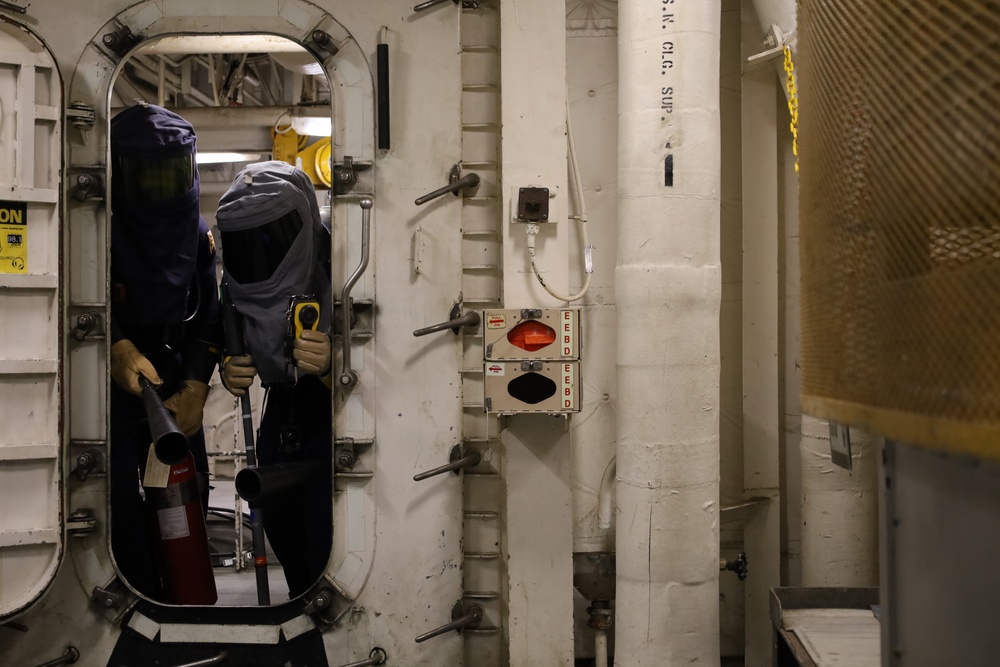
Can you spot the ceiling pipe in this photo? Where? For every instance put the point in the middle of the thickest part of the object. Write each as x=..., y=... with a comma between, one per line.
x=668, y=290
x=251, y=117
x=780, y=13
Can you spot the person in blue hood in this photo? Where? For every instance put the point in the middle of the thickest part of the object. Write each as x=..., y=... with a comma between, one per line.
x=275, y=247
x=165, y=321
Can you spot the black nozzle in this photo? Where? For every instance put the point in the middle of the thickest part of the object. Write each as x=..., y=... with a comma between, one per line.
x=308, y=316
x=170, y=445
x=254, y=484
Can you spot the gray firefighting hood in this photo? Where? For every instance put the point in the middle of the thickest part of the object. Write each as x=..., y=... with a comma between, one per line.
x=261, y=194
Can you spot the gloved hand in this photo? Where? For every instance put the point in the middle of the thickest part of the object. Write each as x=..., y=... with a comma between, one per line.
x=127, y=363
x=238, y=374
x=188, y=406
x=312, y=352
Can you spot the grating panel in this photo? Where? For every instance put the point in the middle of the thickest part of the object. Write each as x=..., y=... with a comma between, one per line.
x=900, y=202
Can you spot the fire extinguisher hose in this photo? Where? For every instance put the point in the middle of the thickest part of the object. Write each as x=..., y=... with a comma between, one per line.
x=235, y=346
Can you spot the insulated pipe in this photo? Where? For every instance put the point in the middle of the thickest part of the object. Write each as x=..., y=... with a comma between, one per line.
x=776, y=12
x=839, y=510
x=667, y=290
x=604, y=505
x=600, y=648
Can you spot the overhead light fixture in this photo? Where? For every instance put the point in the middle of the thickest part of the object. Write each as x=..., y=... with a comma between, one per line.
x=312, y=126
x=216, y=158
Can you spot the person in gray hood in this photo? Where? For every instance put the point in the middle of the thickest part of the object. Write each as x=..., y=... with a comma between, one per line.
x=274, y=248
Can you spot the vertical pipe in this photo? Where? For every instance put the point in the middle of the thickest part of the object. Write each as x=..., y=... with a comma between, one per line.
x=600, y=648
x=604, y=509
x=667, y=288
x=839, y=510
x=776, y=12
x=761, y=345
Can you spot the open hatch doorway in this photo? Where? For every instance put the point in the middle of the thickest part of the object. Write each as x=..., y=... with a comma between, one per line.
x=247, y=99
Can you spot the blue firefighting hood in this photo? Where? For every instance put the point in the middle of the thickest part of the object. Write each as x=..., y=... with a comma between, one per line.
x=154, y=244
x=261, y=194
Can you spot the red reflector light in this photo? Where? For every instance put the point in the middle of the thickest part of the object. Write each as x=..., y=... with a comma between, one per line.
x=531, y=335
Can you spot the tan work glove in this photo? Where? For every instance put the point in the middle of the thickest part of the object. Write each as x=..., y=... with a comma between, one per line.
x=312, y=352
x=188, y=406
x=238, y=374
x=127, y=363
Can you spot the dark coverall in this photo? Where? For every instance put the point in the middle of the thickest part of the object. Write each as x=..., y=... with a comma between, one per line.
x=164, y=312
x=178, y=351
x=270, y=211
x=296, y=426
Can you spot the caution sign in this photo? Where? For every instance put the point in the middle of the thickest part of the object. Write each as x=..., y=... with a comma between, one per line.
x=13, y=237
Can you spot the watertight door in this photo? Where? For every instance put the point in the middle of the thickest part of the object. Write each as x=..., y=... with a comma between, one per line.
x=31, y=533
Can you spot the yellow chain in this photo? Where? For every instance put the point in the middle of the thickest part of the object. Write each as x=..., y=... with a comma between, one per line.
x=793, y=104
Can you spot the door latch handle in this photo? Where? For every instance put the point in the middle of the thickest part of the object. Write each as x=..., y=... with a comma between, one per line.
x=430, y=3
x=86, y=462
x=462, y=616
x=216, y=659
x=88, y=186
x=348, y=377
x=88, y=326
x=455, y=322
x=459, y=458
x=456, y=184
x=466, y=4
x=377, y=656
x=69, y=656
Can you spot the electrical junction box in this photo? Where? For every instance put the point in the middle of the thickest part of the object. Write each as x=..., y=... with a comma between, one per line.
x=535, y=205
x=532, y=386
x=545, y=334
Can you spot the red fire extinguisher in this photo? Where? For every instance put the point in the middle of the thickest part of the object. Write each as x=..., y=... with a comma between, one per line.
x=181, y=538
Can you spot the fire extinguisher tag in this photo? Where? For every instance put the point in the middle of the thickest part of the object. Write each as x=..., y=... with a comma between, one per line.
x=157, y=472
x=173, y=522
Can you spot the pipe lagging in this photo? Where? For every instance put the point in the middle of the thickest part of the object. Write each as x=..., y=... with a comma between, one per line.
x=668, y=294
x=604, y=508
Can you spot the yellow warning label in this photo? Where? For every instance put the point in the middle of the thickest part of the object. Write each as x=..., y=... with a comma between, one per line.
x=13, y=237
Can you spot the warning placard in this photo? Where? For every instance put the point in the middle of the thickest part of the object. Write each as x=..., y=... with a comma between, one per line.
x=13, y=237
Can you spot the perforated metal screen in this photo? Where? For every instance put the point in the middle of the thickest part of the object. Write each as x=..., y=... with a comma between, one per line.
x=899, y=138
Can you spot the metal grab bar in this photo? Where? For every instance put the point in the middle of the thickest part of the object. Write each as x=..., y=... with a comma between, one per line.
x=348, y=377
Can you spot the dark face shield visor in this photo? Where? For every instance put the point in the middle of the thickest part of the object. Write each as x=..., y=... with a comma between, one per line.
x=155, y=179
x=253, y=255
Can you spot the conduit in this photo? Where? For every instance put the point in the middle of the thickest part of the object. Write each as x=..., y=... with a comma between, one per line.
x=839, y=510
x=577, y=180
x=667, y=291
x=604, y=505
